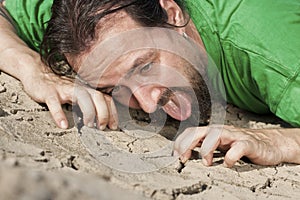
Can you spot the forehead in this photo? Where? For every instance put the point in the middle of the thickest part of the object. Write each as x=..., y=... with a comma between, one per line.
x=109, y=26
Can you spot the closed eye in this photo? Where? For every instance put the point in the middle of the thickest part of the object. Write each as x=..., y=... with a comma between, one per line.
x=146, y=68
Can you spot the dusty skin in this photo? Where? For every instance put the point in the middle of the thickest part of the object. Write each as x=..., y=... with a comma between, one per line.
x=40, y=161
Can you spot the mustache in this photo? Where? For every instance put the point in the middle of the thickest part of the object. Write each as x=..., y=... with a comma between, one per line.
x=169, y=93
x=165, y=96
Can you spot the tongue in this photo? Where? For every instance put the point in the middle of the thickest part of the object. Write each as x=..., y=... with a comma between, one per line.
x=178, y=106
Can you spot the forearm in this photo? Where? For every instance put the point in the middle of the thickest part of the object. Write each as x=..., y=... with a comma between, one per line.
x=291, y=144
x=286, y=140
x=16, y=58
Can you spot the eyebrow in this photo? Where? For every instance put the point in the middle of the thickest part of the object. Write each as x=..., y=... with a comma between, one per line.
x=140, y=61
x=145, y=57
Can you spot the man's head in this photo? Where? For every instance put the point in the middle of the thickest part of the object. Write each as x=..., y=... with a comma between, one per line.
x=74, y=24
x=145, y=78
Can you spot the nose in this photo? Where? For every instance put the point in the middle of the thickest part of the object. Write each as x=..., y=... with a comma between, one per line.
x=148, y=97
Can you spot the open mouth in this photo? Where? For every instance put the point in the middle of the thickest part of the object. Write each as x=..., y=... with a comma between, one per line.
x=177, y=104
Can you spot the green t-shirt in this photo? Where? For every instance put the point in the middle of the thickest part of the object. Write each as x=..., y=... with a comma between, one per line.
x=254, y=43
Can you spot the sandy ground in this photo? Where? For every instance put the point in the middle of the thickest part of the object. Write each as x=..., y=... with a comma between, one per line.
x=40, y=161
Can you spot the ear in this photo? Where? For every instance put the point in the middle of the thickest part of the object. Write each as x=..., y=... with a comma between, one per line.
x=175, y=13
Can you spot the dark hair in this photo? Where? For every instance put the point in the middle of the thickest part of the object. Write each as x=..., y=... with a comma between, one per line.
x=72, y=27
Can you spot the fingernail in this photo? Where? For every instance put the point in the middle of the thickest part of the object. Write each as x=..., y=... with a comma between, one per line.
x=90, y=125
x=183, y=159
x=204, y=162
x=225, y=165
x=63, y=124
x=114, y=127
x=102, y=127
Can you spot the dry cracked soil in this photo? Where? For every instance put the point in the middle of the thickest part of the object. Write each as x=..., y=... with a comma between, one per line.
x=40, y=161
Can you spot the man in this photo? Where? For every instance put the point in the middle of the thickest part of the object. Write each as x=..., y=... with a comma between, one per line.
x=260, y=71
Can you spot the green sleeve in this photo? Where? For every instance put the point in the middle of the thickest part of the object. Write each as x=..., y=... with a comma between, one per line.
x=31, y=18
x=255, y=45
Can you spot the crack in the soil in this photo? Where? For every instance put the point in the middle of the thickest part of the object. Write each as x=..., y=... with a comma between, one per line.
x=276, y=170
x=70, y=163
x=57, y=134
x=187, y=190
x=214, y=183
x=190, y=190
x=131, y=144
x=42, y=160
x=16, y=110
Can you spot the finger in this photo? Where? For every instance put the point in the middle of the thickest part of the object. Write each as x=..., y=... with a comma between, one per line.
x=84, y=101
x=56, y=111
x=187, y=141
x=113, y=116
x=236, y=152
x=210, y=142
x=101, y=108
x=207, y=160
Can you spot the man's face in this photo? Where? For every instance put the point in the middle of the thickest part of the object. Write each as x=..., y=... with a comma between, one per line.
x=141, y=76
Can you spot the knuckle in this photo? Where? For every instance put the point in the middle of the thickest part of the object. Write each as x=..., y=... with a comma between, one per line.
x=248, y=138
x=96, y=94
x=89, y=115
x=103, y=120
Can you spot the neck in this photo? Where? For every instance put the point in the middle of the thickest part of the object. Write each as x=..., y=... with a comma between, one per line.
x=193, y=33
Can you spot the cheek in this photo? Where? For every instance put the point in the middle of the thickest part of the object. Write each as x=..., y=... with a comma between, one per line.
x=125, y=97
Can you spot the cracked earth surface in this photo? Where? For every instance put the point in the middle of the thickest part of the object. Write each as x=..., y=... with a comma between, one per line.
x=40, y=161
